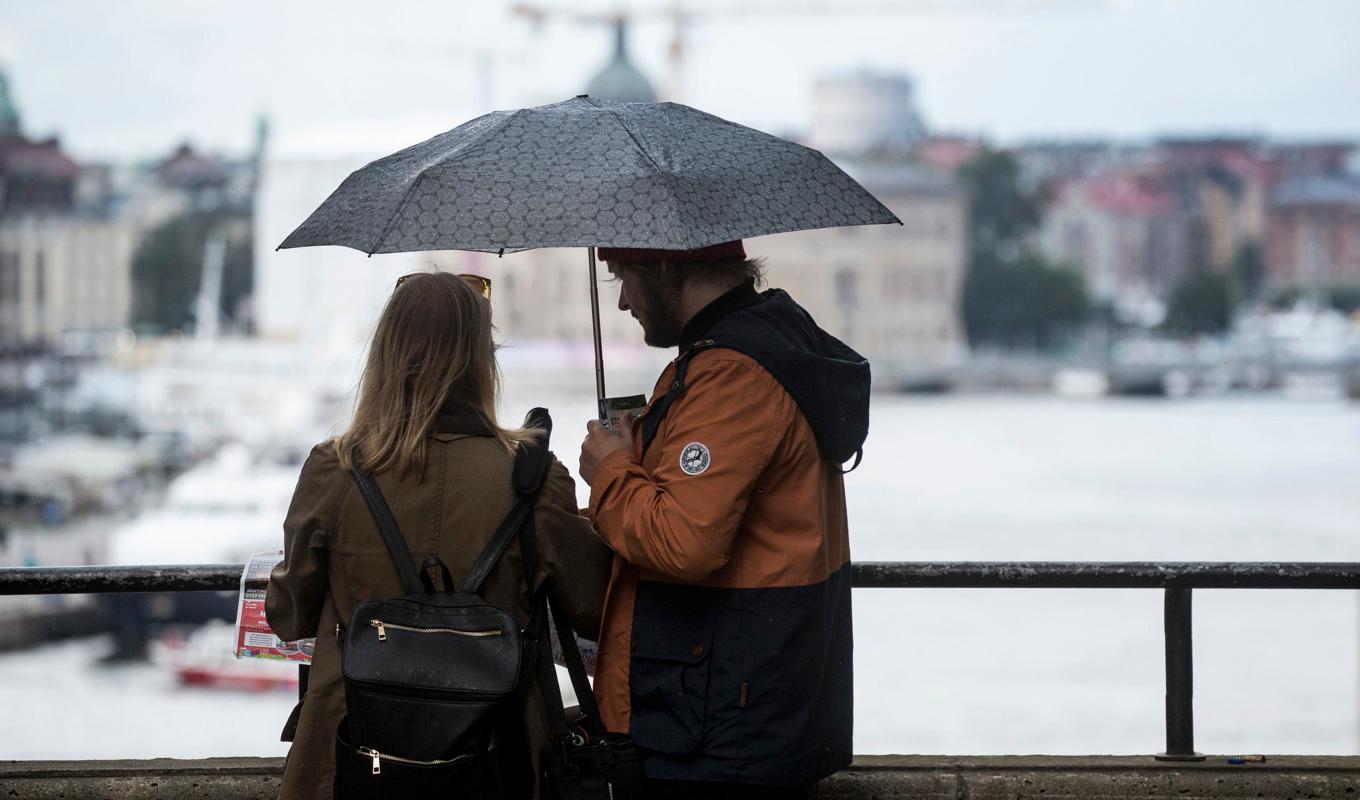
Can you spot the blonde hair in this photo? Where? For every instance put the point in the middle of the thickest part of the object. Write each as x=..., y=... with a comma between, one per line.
x=433, y=344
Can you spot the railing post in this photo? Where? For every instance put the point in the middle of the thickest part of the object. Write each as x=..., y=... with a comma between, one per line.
x=1180, y=679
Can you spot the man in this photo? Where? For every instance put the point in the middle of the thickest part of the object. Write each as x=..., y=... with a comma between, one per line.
x=725, y=646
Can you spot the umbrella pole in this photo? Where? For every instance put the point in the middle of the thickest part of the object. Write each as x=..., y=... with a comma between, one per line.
x=595, y=329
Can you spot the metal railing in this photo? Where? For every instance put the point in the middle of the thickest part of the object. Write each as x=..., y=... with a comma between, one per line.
x=1176, y=579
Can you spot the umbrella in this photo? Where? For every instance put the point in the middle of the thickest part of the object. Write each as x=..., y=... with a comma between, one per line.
x=588, y=173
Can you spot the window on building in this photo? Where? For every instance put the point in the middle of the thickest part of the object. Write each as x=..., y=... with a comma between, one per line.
x=39, y=279
x=9, y=278
x=896, y=282
x=847, y=288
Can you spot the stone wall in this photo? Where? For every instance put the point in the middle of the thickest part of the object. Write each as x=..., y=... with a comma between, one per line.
x=877, y=777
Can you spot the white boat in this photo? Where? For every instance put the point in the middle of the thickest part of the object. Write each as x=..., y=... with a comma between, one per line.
x=217, y=512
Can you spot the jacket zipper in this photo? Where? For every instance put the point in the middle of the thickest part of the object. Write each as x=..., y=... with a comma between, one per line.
x=383, y=626
x=378, y=757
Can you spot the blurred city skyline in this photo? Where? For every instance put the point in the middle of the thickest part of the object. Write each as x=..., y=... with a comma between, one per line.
x=133, y=80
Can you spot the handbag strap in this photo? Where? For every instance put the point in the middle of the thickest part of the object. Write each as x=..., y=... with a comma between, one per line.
x=576, y=668
x=547, y=678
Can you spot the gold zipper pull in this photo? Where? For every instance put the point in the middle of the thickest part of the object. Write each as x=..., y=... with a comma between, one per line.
x=382, y=631
x=377, y=763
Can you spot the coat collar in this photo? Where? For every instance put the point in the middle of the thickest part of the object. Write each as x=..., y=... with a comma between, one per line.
x=459, y=418
x=732, y=300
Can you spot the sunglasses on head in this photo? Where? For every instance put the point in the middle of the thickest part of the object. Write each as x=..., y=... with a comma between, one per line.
x=479, y=284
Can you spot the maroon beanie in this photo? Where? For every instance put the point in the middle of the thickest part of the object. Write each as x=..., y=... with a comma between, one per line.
x=641, y=255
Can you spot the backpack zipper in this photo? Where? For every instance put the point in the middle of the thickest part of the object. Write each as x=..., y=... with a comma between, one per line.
x=383, y=626
x=378, y=757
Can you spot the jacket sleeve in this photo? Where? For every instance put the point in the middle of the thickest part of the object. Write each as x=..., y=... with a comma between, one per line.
x=571, y=555
x=298, y=584
x=680, y=522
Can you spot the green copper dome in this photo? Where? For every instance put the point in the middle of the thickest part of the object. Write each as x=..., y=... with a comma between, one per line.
x=620, y=81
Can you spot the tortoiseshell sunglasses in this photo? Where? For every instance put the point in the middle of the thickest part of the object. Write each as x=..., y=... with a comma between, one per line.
x=479, y=284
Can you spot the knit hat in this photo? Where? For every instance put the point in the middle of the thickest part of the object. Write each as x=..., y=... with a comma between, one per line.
x=642, y=255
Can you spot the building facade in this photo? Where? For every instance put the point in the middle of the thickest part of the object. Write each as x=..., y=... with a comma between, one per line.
x=63, y=267
x=69, y=232
x=63, y=273
x=1313, y=241
x=890, y=291
x=1126, y=233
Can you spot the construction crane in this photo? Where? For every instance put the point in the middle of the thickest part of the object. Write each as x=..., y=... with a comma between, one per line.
x=681, y=15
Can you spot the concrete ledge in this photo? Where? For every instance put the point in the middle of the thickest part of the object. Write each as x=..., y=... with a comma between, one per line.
x=877, y=777
x=1062, y=777
x=159, y=778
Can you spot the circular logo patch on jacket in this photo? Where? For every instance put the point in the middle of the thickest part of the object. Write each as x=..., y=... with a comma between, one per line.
x=694, y=459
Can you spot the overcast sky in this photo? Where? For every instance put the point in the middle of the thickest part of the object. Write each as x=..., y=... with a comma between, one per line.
x=131, y=79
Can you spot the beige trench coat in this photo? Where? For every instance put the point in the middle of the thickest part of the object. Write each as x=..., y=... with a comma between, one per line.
x=334, y=558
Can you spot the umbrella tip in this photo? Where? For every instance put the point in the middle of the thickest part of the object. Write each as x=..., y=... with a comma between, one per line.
x=501, y=254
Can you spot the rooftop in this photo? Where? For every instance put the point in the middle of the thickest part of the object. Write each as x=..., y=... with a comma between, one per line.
x=1319, y=190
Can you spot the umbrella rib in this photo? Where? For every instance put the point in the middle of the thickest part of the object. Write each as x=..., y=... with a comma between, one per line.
x=395, y=211
x=421, y=175
x=659, y=170
x=611, y=112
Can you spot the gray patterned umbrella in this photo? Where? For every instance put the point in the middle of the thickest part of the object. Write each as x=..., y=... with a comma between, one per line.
x=586, y=173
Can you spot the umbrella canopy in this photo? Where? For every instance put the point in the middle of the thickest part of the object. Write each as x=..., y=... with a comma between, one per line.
x=587, y=173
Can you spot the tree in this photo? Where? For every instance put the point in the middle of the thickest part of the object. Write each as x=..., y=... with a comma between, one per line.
x=167, y=268
x=1000, y=214
x=1248, y=271
x=1027, y=303
x=1012, y=297
x=1201, y=302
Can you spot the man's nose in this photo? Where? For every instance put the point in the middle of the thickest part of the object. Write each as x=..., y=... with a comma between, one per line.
x=623, y=300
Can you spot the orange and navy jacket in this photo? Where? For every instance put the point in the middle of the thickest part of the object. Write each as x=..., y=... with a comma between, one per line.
x=726, y=641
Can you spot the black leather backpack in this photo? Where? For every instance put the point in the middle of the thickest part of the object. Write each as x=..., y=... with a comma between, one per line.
x=434, y=679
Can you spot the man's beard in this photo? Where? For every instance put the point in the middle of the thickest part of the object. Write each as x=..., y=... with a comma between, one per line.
x=659, y=311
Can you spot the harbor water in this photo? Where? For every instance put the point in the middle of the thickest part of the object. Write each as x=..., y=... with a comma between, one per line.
x=1233, y=478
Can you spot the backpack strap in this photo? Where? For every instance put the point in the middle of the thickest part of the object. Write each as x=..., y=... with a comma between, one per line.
x=387, y=528
x=531, y=468
x=652, y=420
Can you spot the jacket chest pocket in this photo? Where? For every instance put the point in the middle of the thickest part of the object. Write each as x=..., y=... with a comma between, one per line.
x=669, y=672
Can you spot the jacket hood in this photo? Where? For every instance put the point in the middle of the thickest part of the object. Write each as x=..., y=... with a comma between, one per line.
x=829, y=381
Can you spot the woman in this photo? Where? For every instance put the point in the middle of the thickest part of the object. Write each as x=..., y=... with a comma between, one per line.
x=425, y=429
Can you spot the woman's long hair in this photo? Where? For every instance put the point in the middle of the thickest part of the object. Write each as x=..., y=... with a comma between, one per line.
x=433, y=345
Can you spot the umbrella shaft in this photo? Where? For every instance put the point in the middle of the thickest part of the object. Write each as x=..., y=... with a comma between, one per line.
x=595, y=329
